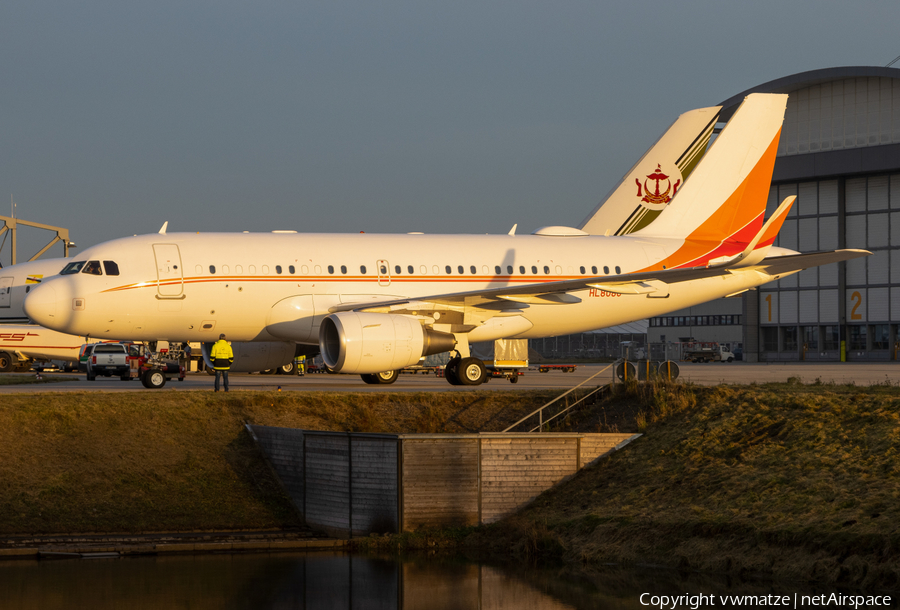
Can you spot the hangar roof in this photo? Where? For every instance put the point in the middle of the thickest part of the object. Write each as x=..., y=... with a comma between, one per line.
x=838, y=122
x=801, y=80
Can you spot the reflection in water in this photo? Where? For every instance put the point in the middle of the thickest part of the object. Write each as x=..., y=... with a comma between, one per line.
x=314, y=581
x=335, y=581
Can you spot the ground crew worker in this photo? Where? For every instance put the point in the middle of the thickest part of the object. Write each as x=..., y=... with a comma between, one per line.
x=302, y=367
x=221, y=357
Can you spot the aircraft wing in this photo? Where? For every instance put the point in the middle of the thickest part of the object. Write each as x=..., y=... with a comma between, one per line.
x=558, y=293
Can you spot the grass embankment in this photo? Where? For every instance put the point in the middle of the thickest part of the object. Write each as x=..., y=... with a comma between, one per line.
x=94, y=462
x=790, y=481
x=785, y=480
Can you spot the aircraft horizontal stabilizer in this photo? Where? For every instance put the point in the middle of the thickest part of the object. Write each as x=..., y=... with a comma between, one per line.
x=778, y=265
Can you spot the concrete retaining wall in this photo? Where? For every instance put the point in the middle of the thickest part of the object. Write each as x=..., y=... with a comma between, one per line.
x=351, y=484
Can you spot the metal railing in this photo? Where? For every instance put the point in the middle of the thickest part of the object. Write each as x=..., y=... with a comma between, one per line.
x=540, y=411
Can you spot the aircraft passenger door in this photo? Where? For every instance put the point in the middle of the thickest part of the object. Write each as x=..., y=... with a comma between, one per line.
x=169, y=275
x=384, y=273
x=5, y=290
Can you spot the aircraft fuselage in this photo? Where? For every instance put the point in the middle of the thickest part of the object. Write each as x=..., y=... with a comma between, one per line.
x=270, y=287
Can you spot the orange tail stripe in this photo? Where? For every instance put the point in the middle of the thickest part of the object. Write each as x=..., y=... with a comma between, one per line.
x=740, y=218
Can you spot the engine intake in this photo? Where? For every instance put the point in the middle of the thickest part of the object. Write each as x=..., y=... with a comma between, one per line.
x=376, y=342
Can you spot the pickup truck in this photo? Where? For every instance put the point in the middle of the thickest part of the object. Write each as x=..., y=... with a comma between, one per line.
x=108, y=359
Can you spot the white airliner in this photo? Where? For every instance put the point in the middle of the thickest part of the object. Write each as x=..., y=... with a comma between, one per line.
x=17, y=280
x=22, y=343
x=376, y=303
x=673, y=155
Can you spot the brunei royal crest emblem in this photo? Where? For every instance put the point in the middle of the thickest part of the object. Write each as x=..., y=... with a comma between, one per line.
x=654, y=195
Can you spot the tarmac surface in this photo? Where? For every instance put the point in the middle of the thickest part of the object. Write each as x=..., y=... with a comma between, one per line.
x=593, y=374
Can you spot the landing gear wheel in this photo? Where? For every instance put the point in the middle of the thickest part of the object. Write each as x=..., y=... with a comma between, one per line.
x=387, y=377
x=383, y=378
x=451, y=371
x=514, y=378
x=286, y=369
x=154, y=379
x=6, y=363
x=471, y=371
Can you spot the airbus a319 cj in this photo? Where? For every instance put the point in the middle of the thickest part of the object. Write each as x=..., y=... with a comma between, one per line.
x=672, y=157
x=374, y=304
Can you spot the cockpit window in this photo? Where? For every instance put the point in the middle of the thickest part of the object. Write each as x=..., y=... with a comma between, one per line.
x=110, y=267
x=72, y=268
x=92, y=268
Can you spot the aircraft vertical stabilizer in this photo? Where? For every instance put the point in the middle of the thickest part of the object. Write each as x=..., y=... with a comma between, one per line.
x=651, y=184
x=722, y=208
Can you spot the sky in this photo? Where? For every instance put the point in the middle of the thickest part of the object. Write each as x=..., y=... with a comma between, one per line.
x=390, y=116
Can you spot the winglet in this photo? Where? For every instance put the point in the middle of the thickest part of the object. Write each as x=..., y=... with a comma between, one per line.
x=513, y=230
x=162, y=231
x=759, y=246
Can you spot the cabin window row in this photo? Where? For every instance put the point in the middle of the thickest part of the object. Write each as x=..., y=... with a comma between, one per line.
x=252, y=269
x=410, y=269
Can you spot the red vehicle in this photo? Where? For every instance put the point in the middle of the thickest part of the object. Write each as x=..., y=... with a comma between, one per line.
x=565, y=368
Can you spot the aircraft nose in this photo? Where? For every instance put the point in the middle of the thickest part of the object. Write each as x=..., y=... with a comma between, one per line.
x=40, y=305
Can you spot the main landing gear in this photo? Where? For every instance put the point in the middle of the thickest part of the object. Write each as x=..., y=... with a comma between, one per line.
x=465, y=371
x=381, y=378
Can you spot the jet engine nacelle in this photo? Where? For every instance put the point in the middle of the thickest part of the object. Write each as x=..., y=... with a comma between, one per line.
x=253, y=357
x=366, y=343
